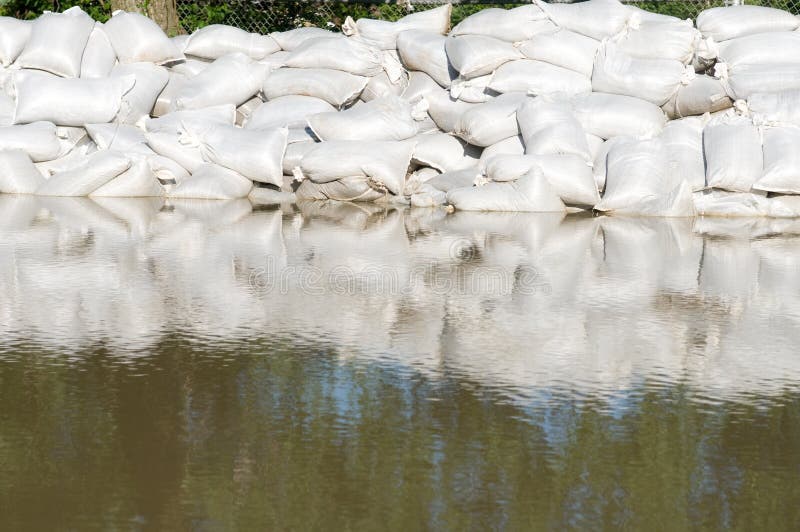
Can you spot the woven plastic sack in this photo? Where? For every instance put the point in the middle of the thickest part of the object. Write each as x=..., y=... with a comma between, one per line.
x=216, y=40
x=95, y=171
x=334, y=86
x=530, y=193
x=57, y=41
x=138, y=39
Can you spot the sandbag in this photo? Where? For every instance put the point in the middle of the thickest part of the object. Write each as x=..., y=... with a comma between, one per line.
x=18, y=175
x=425, y=51
x=14, y=35
x=448, y=181
x=653, y=80
x=211, y=181
x=775, y=108
x=599, y=164
x=39, y=140
x=171, y=122
x=638, y=182
x=723, y=23
x=746, y=80
x=287, y=111
x=383, y=34
x=231, y=79
x=99, y=56
x=95, y=171
x=138, y=39
x=347, y=55
x=171, y=89
x=255, y=154
x=384, y=164
x=530, y=193
x=334, y=86
x=563, y=48
x=138, y=181
x=512, y=25
x=683, y=141
x=781, y=161
x=381, y=85
x=597, y=19
x=734, y=159
x=613, y=115
x=389, y=118
x=550, y=128
x=569, y=175
x=703, y=94
x=57, y=41
x=761, y=49
x=660, y=40
x=217, y=40
x=139, y=102
x=291, y=39
x=444, y=110
x=294, y=154
x=168, y=145
x=488, y=123
x=68, y=102
x=477, y=55
x=537, y=78
x=353, y=188
x=510, y=146
x=119, y=137
x=428, y=196
x=444, y=152
x=246, y=110
x=473, y=90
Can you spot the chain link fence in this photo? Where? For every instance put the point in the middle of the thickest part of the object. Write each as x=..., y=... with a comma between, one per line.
x=264, y=16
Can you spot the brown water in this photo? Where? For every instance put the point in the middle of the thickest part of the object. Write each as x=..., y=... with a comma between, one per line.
x=200, y=366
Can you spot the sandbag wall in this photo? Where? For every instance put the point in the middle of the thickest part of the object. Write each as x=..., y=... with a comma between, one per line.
x=544, y=107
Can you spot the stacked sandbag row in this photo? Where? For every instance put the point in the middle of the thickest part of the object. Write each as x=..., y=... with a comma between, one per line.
x=544, y=107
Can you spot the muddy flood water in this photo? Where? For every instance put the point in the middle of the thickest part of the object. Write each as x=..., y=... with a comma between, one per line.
x=210, y=366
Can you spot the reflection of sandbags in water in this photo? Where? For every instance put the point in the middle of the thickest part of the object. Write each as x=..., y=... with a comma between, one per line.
x=137, y=213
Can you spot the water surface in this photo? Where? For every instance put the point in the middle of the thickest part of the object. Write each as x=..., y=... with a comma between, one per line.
x=208, y=366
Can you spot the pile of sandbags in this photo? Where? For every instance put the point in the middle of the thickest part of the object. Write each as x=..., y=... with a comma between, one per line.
x=544, y=107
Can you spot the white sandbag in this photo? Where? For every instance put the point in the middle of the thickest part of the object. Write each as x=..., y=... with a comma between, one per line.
x=510, y=146
x=255, y=154
x=171, y=122
x=347, y=55
x=287, y=111
x=477, y=55
x=639, y=182
x=334, y=86
x=599, y=166
x=654, y=80
x=550, y=128
x=68, y=102
x=67, y=161
x=444, y=152
x=291, y=39
x=424, y=51
x=683, y=141
x=384, y=164
x=417, y=178
x=781, y=161
x=648, y=16
x=748, y=79
x=138, y=181
x=723, y=23
x=99, y=56
x=294, y=154
x=448, y=181
x=512, y=25
x=216, y=40
x=569, y=175
x=530, y=193
x=488, y=123
x=7, y=110
x=734, y=159
x=57, y=41
x=190, y=67
x=660, y=40
x=537, y=78
x=97, y=169
x=443, y=110
x=233, y=78
x=613, y=115
x=39, y=140
x=761, y=49
x=383, y=34
x=180, y=41
x=168, y=145
x=597, y=19
x=246, y=110
x=270, y=196
x=774, y=108
x=720, y=203
x=119, y=137
x=563, y=48
x=18, y=175
x=381, y=85
x=473, y=90
x=139, y=102
x=703, y=94
x=14, y=35
x=171, y=89
x=389, y=118
x=210, y=181
x=428, y=196
x=353, y=188
x=594, y=142
x=138, y=39
x=166, y=170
